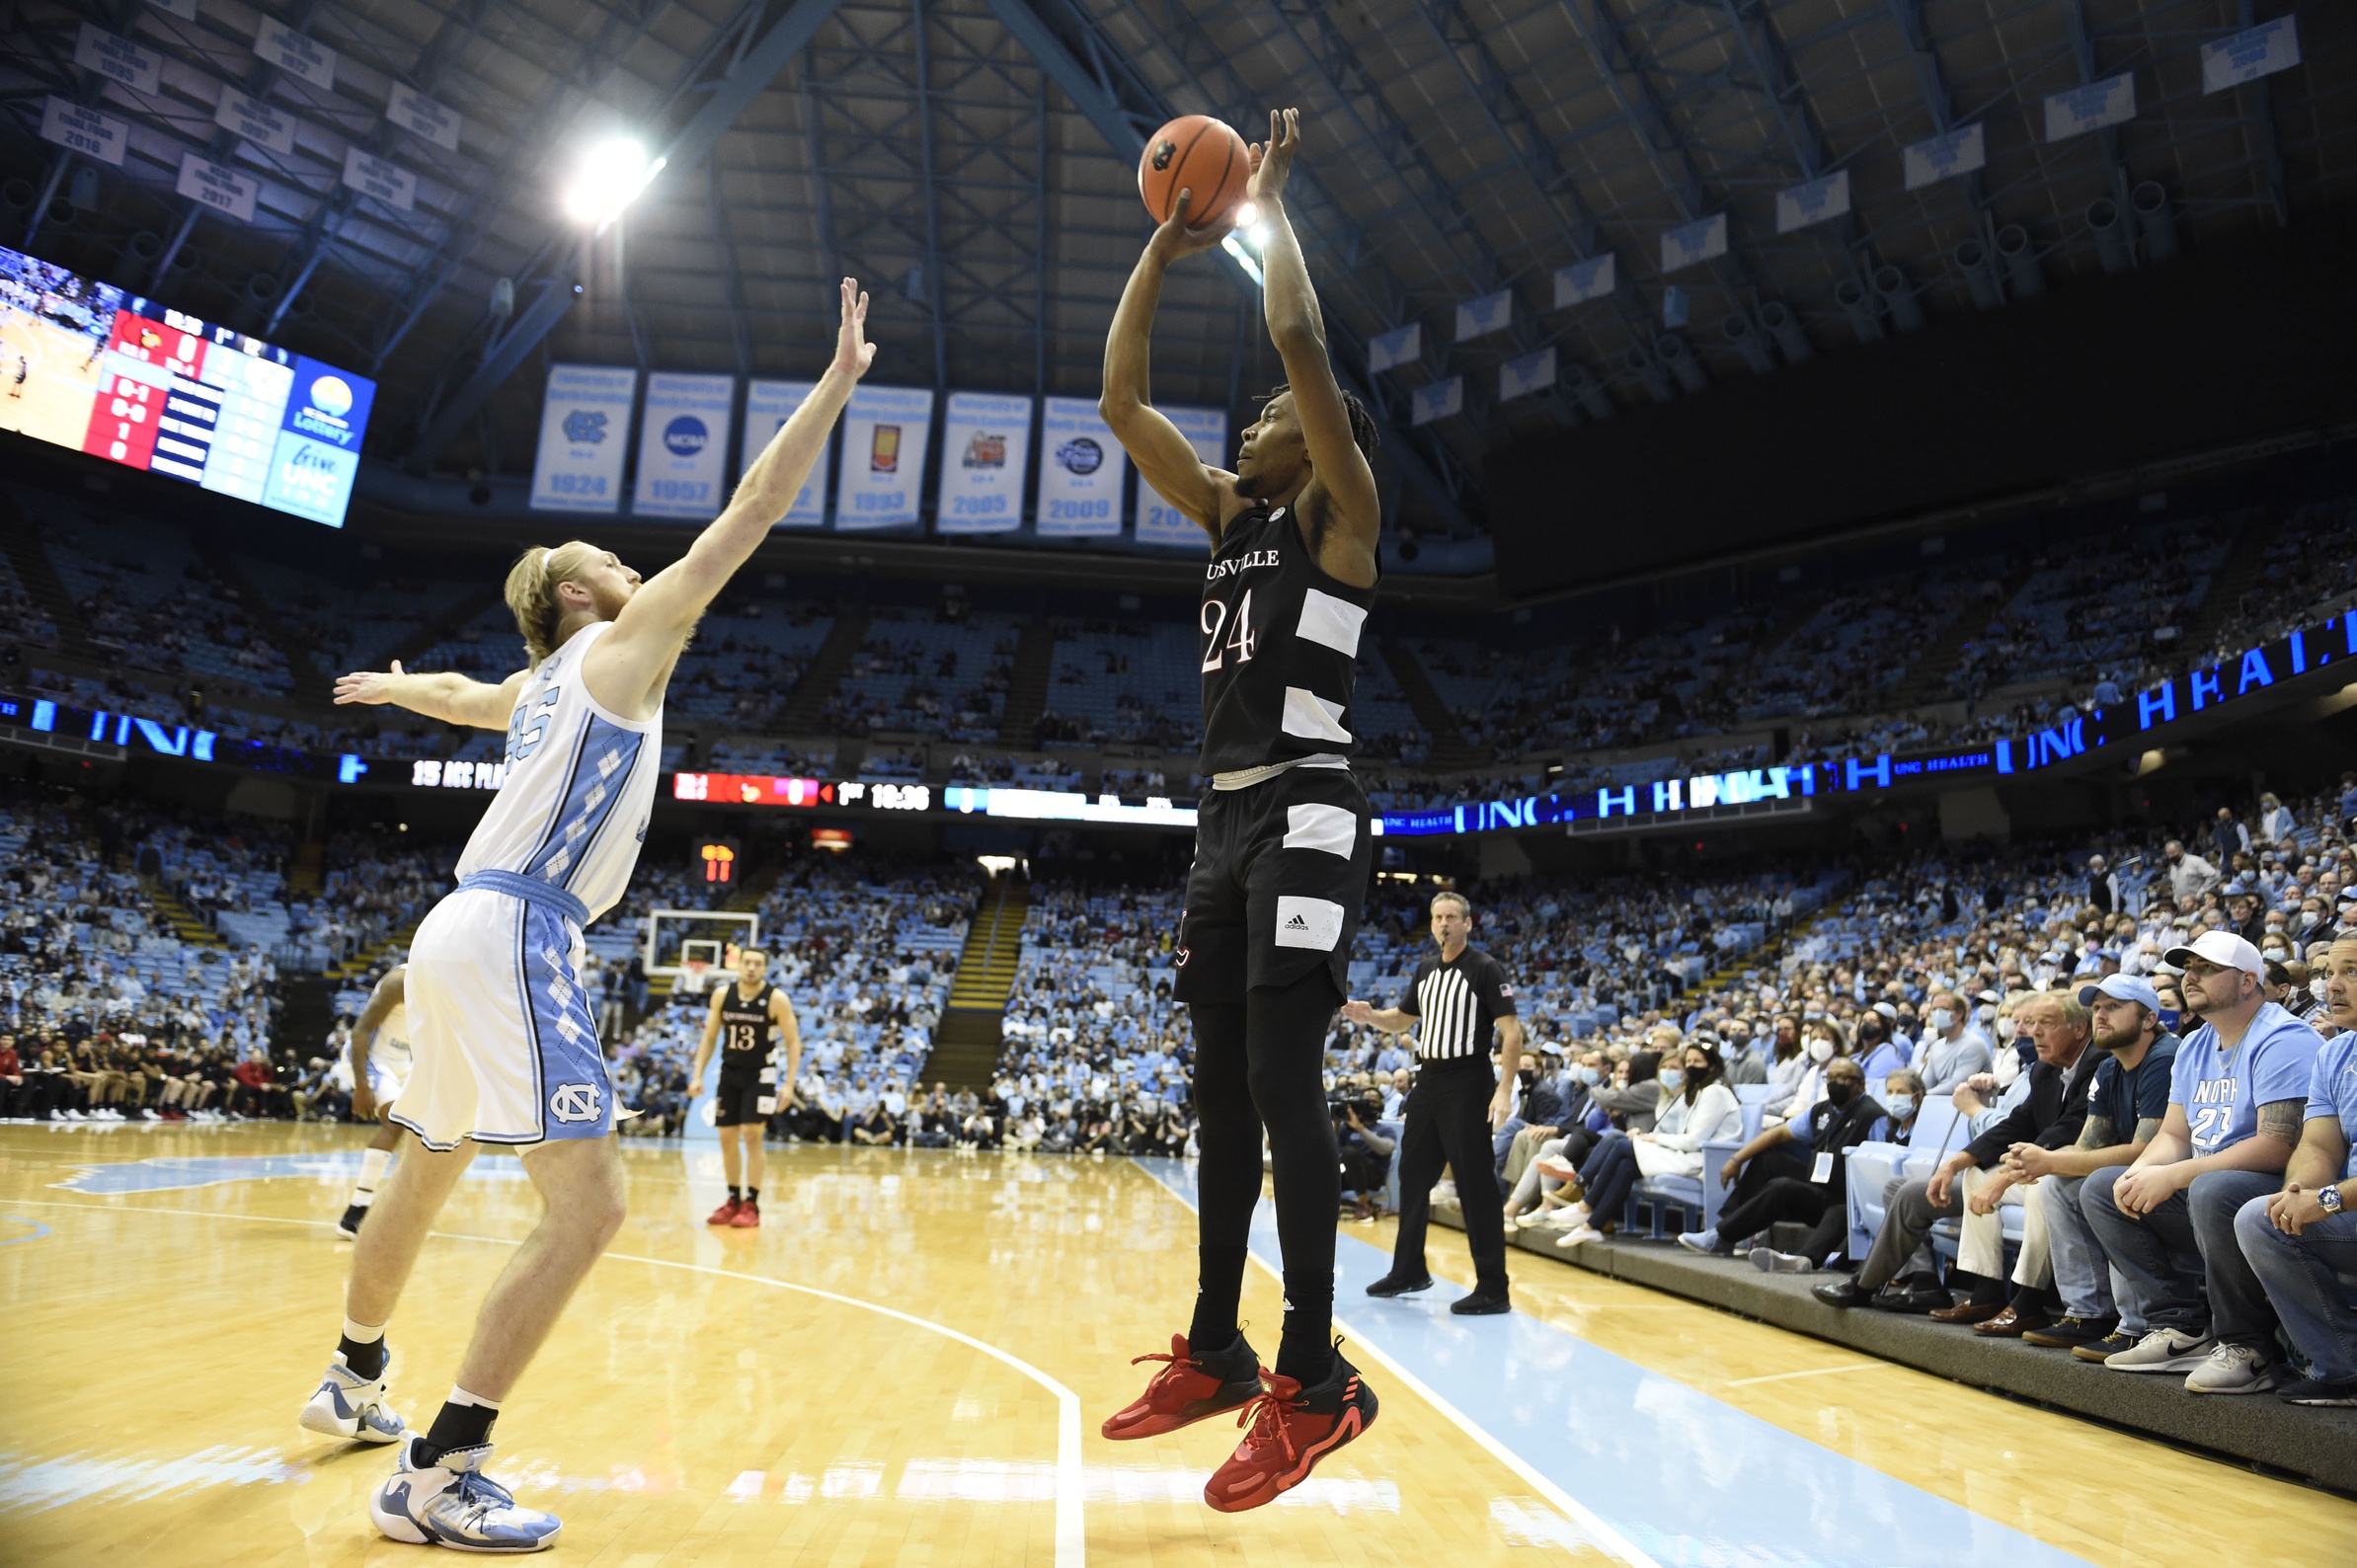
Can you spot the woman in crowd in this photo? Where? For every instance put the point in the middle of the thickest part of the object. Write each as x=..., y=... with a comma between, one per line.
x=1695, y=1107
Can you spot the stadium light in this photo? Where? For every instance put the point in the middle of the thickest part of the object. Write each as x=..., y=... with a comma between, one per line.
x=606, y=178
x=1247, y=215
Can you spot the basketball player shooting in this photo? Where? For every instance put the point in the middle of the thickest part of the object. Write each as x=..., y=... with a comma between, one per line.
x=749, y=1018
x=1281, y=848
x=506, y=1049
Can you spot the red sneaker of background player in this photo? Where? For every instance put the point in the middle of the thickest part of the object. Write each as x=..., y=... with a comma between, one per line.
x=747, y=1217
x=726, y=1213
x=1188, y=1389
x=1290, y=1429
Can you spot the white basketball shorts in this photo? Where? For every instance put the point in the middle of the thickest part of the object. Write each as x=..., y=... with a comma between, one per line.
x=505, y=1051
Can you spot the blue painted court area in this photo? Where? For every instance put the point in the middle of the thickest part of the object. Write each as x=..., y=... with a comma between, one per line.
x=15, y=1228
x=165, y=1174
x=1679, y=1477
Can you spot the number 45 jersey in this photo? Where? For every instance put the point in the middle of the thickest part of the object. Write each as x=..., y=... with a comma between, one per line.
x=580, y=786
x=1280, y=643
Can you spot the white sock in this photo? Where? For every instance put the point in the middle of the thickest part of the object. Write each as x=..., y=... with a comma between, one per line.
x=373, y=1170
x=459, y=1396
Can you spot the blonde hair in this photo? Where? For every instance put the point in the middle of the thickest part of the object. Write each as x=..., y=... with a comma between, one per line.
x=531, y=594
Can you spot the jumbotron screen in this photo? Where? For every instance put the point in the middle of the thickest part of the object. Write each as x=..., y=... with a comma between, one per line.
x=84, y=364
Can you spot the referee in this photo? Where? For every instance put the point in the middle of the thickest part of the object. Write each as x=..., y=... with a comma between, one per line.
x=1458, y=993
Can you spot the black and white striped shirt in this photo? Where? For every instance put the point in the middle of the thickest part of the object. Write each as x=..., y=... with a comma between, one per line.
x=1455, y=1002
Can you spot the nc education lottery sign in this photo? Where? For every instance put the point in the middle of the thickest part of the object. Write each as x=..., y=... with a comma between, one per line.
x=683, y=445
x=767, y=407
x=986, y=444
x=583, y=427
x=884, y=456
x=1080, y=472
x=1160, y=522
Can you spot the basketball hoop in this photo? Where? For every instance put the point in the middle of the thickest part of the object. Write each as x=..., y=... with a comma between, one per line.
x=695, y=973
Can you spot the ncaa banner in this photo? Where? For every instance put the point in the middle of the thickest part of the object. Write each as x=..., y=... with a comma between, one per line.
x=1691, y=244
x=1080, y=472
x=767, y=407
x=1438, y=400
x=2254, y=52
x=884, y=456
x=1938, y=158
x=985, y=447
x=583, y=426
x=1533, y=372
x=2109, y=101
x=1582, y=282
x=1400, y=345
x=683, y=445
x=1477, y=318
x=1160, y=522
x=1798, y=206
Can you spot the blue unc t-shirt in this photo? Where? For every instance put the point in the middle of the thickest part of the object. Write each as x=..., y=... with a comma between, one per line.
x=2222, y=1092
x=2332, y=1091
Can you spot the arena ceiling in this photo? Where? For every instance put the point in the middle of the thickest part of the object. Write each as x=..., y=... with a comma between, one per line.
x=974, y=161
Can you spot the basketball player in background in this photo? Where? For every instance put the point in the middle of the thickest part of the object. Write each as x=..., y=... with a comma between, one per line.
x=379, y=1058
x=748, y=1020
x=1281, y=847
x=506, y=1049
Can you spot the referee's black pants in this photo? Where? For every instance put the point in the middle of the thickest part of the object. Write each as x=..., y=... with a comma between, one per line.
x=1447, y=1124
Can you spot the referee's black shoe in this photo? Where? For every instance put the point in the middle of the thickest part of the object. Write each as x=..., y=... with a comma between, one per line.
x=1483, y=1303
x=1395, y=1284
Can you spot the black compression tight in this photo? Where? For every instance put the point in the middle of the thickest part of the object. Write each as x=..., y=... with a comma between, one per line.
x=1261, y=1063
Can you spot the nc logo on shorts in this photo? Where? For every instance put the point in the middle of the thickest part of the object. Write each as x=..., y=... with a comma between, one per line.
x=574, y=1102
x=1308, y=922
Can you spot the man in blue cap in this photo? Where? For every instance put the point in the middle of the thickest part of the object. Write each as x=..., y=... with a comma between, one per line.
x=2124, y=1110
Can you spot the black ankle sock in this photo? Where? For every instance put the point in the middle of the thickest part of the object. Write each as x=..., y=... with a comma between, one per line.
x=1220, y=1272
x=1306, y=1356
x=752, y=1195
x=736, y=1195
x=363, y=1359
x=457, y=1427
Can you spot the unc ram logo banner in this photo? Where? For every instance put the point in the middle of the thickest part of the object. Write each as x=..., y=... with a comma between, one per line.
x=584, y=427
x=683, y=446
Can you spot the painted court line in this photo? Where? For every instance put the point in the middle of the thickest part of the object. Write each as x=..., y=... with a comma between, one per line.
x=1071, y=1538
x=1814, y=1371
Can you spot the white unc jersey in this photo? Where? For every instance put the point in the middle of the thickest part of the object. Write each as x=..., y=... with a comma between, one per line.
x=580, y=786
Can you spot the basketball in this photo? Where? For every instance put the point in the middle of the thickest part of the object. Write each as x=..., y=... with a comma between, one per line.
x=1197, y=153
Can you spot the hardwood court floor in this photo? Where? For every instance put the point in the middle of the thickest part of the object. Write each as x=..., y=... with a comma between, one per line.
x=876, y=1376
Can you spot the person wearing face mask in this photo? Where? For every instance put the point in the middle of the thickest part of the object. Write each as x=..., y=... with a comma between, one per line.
x=1807, y=1086
x=2286, y=983
x=1694, y=1108
x=1810, y=1154
x=2124, y=1110
x=1951, y=1050
x=1565, y=1150
x=2189, y=875
x=2051, y=1114
x=1878, y=1055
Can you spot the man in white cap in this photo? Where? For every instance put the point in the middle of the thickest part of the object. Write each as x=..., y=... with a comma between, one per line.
x=2237, y=1094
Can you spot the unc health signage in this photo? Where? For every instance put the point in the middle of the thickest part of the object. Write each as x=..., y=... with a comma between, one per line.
x=583, y=427
x=985, y=445
x=767, y=407
x=1160, y=522
x=1080, y=471
x=884, y=456
x=683, y=445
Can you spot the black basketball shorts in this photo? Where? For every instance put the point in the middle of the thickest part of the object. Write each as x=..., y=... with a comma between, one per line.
x=1279, y=874
x=744, y=1096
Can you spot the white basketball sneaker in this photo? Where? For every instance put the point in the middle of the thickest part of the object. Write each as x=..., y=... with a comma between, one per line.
x=453, y=1503
x=353, y=1407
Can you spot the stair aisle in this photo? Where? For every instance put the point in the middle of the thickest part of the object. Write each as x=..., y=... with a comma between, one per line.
x=966, y=1041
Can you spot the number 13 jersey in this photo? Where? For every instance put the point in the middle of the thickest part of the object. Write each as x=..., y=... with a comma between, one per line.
x=580, y=786
x=1279, y=642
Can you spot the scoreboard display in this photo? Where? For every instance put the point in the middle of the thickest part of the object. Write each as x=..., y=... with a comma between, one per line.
x=120, y=376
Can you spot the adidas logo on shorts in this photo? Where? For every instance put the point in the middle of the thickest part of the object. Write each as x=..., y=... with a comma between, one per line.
x=1296, y=924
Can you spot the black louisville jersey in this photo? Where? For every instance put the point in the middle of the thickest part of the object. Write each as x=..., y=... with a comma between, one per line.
x=744, y=1026
x=1280, y=648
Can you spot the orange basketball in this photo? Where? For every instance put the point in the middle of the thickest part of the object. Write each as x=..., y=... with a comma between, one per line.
x=1198, y=154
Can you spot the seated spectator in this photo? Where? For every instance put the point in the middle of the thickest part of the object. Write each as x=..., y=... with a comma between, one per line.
x=2049, y=1113
x=1827, y=1131
x=2301, y=1243
x=1695, y=1107
x=2237, y=1093
x=874, y=1127
x=1951, y=1050
x=2124, y=1110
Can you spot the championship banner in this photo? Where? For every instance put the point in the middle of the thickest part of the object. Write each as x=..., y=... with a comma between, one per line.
x=985, y=447
x=218, y=187
x=1532, y=373
x=1798, y=206
x=298, y=56
x=119, y=59
x=258, y=122
x=767, y=407
x=884, y=456
x=84, y=130
x=1400, y=345
x=1582, y=282
x=1080, y=472
x=1160, y=522
x=583, y=427
x=421, y=116
x=1438, y=400
x=683, y=445
x=1938, y=158
x=2111, y=102
x=2254, y=52
x=1477, y=318
x=1691, y=244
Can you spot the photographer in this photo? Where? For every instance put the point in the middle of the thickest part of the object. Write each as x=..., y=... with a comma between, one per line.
x=1365, y=1151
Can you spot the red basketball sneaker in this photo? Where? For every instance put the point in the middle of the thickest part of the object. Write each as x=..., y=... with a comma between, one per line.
x=1188, y=1389
x=726, y=1213
x=747, y=1217
x=1290, y=1429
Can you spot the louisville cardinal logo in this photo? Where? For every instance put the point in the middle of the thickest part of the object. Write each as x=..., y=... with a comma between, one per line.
x=1164, y=153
